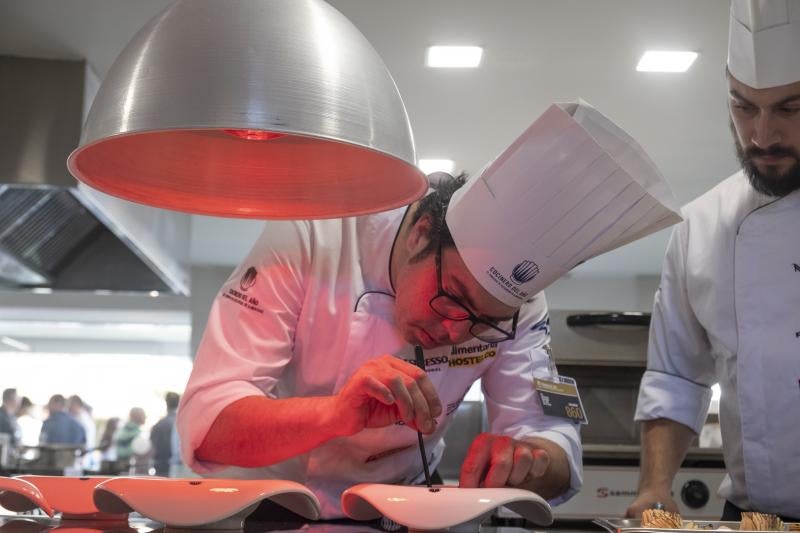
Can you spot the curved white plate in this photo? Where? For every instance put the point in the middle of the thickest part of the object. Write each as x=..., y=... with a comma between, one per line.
x=421, y=508
x=73, y=496
x=26, y=525
x=216, y=503
x=19, y=495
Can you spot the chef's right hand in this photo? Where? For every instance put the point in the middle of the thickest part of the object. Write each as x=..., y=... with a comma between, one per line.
x=649, y=499
x=384, y=391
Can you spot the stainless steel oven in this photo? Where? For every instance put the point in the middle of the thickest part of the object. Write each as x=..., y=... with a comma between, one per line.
x=606, y=353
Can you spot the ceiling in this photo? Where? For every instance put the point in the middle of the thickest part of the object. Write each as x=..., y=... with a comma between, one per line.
x=536, y=52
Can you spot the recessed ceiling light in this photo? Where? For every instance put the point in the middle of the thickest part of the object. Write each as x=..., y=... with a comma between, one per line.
x=666, y=61
x=14, y=343
x=42, y=290
x=429, y=166
x=453, y=56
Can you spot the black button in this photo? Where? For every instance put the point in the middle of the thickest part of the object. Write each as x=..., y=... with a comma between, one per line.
x=695, y=494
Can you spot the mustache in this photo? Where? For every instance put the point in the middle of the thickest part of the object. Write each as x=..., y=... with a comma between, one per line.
x=773, y=151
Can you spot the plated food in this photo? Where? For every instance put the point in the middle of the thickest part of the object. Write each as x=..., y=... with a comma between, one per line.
x=660, y=519
x=761, y=522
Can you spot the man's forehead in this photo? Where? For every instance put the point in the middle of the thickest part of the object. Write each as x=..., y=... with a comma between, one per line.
x=765, y=97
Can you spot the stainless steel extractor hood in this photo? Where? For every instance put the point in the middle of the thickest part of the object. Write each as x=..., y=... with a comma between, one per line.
x=53, y=232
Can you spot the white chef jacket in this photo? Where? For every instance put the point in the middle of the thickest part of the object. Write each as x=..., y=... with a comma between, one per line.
x=309, y=306
x=728, y=311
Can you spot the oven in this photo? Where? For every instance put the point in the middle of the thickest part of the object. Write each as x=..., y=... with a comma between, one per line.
x=606, y=353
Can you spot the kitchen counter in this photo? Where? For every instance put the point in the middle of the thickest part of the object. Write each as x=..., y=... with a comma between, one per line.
x=43, y=524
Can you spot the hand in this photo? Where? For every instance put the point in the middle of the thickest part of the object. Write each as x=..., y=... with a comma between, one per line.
x=500, y=461
x=385, y=390
x=648, y=498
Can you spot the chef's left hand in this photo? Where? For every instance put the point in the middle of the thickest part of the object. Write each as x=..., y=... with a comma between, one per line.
x=500, y=461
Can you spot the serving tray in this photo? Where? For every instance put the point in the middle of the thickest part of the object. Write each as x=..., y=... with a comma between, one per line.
x=631, y=525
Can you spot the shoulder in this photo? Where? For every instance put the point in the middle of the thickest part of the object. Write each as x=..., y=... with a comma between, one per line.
x=726, y=204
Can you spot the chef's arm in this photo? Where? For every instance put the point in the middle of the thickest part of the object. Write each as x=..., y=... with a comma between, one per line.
x=258, y=431
x=664, y=446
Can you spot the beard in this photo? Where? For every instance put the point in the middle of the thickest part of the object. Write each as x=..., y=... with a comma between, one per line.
x=770, y=182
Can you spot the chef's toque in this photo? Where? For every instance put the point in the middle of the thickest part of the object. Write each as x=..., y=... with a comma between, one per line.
x=764, y=43
x=572, y=186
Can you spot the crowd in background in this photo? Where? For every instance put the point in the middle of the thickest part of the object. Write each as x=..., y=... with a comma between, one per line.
x=120, y=449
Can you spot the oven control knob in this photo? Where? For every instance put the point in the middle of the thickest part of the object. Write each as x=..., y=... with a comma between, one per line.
x=695, y=494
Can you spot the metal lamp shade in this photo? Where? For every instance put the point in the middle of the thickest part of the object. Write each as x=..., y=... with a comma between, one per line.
x=251, y=108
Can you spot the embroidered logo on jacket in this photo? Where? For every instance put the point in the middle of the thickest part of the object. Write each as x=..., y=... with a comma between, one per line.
x=248, y=279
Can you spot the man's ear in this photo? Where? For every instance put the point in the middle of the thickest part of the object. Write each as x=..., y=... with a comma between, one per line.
x=419, y=235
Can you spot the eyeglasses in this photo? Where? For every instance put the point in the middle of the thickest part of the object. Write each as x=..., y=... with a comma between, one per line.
x=449, y=307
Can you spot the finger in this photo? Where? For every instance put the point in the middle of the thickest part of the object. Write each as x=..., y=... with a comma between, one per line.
x=432, y=399
x=422, y=415
x=409, y=369
x=377, y=390
x=541, y=462
x=475, y=462
x=501, y=462
x=423, y=382
x=523, y=461
x=403, y=400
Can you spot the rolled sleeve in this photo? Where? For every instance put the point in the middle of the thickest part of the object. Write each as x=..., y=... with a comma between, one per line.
x=673, y=397
x=249, y=338
x=680, y=368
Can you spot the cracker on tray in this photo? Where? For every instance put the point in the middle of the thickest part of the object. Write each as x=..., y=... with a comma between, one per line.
x=660, y=519
x=761, y=522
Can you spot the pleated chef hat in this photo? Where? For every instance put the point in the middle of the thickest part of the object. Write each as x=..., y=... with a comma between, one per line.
x=764, y=44
x=572, y=186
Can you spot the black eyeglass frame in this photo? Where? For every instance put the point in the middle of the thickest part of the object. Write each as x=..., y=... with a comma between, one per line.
x=472, y=317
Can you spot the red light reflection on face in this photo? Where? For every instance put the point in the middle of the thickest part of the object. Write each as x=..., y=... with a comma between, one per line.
x=255, y=135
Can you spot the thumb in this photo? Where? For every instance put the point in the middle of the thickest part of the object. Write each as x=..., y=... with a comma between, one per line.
x=541, y=462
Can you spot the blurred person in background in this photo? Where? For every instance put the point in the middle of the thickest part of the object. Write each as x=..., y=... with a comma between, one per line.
x=177, y=468
x=61, y=428
x=126, y=436
x=8, y=419
x=29, y=426
x=81, y=412
x=161, y=436
x=106, y=450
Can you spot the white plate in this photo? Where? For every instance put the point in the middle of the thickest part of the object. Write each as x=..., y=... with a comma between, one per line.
x=19, y=496
x=72, y=496
x=213, y=503
x=424, y=509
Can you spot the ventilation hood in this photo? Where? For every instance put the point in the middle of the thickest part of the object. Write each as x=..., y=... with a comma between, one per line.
x=54, y=232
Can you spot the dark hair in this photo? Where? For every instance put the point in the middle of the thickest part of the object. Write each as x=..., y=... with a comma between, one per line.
x=9, y=394
x=172, y=399
x=77, y=400
x=434, y=205
x=57, y=400
x=25, y=402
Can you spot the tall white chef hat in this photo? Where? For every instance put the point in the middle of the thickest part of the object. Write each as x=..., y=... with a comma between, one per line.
x=764, y=44
x=572, y=186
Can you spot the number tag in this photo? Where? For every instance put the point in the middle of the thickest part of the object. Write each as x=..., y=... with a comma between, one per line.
x=559, y=396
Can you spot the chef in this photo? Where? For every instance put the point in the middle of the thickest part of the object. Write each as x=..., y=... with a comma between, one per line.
x=728, y=308
x=306, y=369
